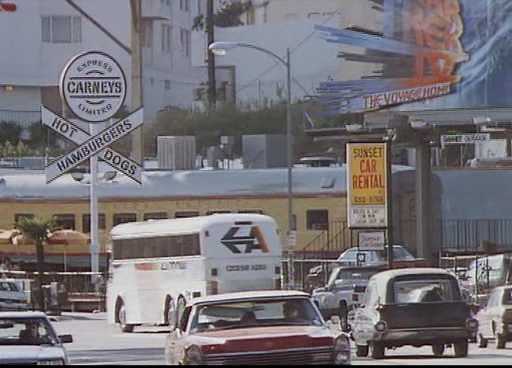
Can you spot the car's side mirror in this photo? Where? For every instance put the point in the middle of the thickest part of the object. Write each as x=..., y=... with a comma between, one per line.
x=362, y=306
x=66, y=339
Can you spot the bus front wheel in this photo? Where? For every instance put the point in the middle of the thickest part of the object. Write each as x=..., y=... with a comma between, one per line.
x=121, y=317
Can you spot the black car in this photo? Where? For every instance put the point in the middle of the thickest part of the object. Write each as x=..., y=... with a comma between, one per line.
x=414, y=306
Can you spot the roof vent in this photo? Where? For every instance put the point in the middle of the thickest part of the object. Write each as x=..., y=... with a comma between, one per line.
x=327, y=182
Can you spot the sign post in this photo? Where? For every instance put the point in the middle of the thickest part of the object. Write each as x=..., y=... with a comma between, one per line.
x=369, y=191
x=93, y=87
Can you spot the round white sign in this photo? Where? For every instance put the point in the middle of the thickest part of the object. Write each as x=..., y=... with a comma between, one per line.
x=93, y=85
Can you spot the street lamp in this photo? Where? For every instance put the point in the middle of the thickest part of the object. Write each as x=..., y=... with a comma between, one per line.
x=221, y=49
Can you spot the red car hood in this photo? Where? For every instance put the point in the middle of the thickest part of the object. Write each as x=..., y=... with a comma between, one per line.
x=262, y=339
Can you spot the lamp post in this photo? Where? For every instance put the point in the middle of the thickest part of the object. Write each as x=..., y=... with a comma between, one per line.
x=221, y=49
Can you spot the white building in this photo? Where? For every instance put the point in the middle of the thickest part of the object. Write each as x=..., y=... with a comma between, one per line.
x=41, y=36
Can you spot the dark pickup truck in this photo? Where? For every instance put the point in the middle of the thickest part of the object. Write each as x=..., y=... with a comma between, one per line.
x=415, y=306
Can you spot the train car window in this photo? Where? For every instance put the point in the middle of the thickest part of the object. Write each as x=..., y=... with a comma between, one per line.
x=155, y=216
x=86, y=222
x=19, y=216
x=122, y=218
x=317, y=219
x=186, y=214
x=65, y=221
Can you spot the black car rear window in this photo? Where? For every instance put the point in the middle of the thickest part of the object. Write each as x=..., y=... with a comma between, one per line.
x=424, y=289
x=507, y=297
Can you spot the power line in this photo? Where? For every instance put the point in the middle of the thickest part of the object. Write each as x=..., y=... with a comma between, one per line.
x=268, y=70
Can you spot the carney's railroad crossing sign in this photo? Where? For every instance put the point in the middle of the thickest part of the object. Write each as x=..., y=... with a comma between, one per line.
x=93, y=86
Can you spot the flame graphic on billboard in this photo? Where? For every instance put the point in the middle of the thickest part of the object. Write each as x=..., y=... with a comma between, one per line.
x=420, y=57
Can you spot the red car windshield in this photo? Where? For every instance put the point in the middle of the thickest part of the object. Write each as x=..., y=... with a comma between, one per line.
x=254, y=314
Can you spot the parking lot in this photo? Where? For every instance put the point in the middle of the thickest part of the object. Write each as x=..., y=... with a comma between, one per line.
x=95, y=342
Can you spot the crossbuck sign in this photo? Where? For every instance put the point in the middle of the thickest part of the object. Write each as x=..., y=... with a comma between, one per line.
x=93, y=86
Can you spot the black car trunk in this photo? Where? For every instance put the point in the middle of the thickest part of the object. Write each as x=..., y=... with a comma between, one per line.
x=418, y=315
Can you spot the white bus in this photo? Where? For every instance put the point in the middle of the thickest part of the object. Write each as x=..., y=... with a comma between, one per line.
x=159, y=265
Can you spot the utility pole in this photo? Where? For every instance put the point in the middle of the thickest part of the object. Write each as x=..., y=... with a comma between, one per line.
x=212, y=83
x=137, y=153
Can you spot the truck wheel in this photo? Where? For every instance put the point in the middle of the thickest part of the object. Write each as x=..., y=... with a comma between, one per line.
x=121, y=317
x=500, y=341
x=378, y=350
x=438, y=350
x=343, y=313
x=482, y=343
x=461, y=349
x=362, y=350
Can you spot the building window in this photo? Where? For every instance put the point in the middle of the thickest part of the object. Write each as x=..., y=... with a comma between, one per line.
x=65, y=221
x=61, y=29
x=122, y=218
x=147, y=33
x=167, y=85
x=86, y=223
x=19, y=216
x=166, y=38
x=185, y=5
x=185, y=40
x=155, y=216
x=317, y=219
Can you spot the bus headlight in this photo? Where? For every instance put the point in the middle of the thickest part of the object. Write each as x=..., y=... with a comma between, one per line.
x=341, y=350
x=193, y=355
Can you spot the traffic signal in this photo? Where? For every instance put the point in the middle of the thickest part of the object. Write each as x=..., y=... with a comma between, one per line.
x=7, y=7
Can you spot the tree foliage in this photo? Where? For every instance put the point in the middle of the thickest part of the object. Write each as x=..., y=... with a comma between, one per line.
x=38, y=230
x=229, y=120
x=227, y=16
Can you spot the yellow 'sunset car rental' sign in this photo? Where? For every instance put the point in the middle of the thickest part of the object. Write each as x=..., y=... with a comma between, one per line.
x=367, y=185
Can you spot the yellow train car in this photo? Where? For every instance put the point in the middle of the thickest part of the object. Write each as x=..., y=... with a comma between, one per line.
x=319, y=202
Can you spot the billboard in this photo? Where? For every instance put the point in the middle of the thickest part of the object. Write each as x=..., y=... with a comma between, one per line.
x=426, y=54
x=367, y=185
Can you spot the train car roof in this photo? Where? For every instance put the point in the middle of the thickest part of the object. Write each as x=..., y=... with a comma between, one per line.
x=26, y=185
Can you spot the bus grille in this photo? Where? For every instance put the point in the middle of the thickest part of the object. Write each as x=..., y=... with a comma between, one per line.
x=298, y=356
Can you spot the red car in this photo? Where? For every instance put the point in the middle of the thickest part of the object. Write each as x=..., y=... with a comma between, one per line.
x=259, y=327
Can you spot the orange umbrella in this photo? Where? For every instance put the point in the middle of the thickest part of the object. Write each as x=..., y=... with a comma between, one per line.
x=21, y=239
x=68, y=237
x=6, y=236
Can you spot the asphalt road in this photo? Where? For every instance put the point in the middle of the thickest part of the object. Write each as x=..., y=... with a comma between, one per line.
x=95, y=342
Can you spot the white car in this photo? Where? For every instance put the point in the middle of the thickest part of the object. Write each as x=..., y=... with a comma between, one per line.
x=372, y=257
x=28, y=338
x=12, y=297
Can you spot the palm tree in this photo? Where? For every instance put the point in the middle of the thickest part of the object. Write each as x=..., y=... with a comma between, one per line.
x=38, y=230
